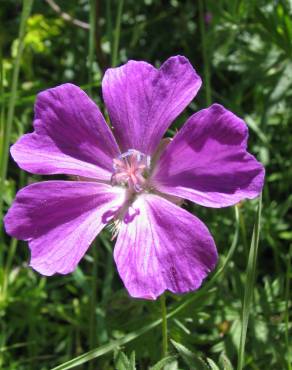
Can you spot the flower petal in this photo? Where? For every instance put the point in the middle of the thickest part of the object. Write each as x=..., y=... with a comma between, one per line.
x=60, y=219
x=142, y=101
x=71, y=136
x=207, y=161
x=162, y=246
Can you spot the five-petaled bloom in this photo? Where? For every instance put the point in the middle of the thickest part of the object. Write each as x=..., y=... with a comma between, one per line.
x=130, y=177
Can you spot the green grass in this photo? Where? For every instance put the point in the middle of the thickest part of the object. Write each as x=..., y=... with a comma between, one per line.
x=27, y=5
x=249, y=284
x=240, y=318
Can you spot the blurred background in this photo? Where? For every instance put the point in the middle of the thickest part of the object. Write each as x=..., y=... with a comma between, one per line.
x=242, y=49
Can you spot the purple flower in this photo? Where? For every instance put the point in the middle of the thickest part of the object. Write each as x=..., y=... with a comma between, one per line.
x=130, y=177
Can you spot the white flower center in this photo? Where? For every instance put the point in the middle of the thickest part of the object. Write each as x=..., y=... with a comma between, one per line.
x=131, y=169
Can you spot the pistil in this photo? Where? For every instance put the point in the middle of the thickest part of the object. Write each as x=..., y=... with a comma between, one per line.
x=131, y=169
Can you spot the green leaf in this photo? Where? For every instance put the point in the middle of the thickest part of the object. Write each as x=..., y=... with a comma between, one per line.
x=122, y=362
x=102, y=350
x=212, y=364
x=160, y=365
x=224, y=362
x=192, y=360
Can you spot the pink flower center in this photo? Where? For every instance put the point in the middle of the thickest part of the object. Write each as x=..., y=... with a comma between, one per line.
x=130, y=169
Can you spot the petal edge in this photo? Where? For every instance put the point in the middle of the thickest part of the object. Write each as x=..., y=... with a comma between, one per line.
x=71, y=136
x=142, y=101
x=60, y=219
x=207, y=161
x=163, y=248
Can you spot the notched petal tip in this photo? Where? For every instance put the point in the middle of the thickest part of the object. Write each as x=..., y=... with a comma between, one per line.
x=142, y=101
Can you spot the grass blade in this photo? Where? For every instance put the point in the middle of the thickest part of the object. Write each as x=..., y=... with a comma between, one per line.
x=250, y=280
x=287, y=301
x=91, y=50
x=117, y=32
x=102, y=350
x=207, y=79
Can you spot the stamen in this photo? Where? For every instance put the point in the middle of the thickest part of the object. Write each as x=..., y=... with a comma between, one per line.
x=130, y=169
x=114, y=228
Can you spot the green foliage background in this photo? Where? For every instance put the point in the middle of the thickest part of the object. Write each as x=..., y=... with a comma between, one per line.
x=243, y=51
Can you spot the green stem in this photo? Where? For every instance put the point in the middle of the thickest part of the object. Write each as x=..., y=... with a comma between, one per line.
x=207, y=80
x=26, y=9
x=117, y=32
x=93, y=302
x=2, y=113
x=2, y=134
x=287, y=301
x=243, y=229
x=5, y=280
x=91, y=51
x=249, y=285
x=164, y=326
x=109, y=24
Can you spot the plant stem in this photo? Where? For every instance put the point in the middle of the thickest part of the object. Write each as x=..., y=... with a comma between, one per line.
x=93, y=302
x=2, y=134
x=2, y=112
x=164, y=326
x=249, y=285
x=109, y=32
x=117, y=32
x=207, y=81
x=243, y=229
x=91, y=48
x=11, y=253
x=287, y=301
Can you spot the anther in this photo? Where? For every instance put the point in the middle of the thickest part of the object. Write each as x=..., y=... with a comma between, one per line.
x=130, y=169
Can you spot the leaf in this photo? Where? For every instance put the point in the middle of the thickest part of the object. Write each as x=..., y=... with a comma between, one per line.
x=172, y=366
x=109, y=347
x=212, y=364
x=224, y=362
x=160, y=365
x=133, y=360
x=193, y=361
x=122, y=362
x=283, y=84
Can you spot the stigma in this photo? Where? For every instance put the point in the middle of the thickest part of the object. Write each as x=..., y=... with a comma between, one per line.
x=131, y=169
